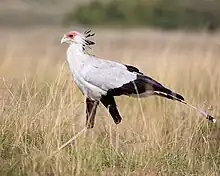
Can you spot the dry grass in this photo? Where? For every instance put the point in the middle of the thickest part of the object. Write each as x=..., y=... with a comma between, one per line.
x=40, y=108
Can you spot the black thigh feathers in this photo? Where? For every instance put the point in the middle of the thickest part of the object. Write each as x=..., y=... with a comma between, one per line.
x=91, y=107
x=109, y=102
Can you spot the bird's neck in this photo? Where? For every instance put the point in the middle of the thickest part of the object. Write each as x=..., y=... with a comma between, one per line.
x=75, y=57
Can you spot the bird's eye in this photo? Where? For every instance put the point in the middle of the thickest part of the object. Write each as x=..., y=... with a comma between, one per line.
x=70, y=35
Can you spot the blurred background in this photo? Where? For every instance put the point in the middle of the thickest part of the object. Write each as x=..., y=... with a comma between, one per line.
x=165, y=14
x=177, y=42
x=36, y=26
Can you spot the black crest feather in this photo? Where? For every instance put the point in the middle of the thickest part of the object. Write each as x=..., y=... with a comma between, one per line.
x=88, y=33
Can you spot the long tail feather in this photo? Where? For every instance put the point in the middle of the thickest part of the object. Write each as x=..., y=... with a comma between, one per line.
x=169, y=94
x=202, y=112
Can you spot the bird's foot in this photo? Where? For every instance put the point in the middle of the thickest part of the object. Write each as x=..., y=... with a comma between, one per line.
x=89, y=125
x=211, y=118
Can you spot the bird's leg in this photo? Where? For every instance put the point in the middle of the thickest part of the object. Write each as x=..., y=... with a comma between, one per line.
x=91, y=107
x=109, y=102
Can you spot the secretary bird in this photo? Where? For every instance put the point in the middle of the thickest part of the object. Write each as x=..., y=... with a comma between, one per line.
x=100, y=80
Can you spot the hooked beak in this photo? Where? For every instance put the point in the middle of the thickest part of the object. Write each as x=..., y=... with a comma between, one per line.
x=64, y=40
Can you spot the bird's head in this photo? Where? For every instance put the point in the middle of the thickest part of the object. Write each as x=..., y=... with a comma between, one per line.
x=72, y=37
x=78, y=38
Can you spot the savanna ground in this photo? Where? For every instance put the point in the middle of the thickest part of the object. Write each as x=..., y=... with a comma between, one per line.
x=40, y=107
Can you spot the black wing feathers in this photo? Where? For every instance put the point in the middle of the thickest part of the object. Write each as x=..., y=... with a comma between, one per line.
x=138, y=86
x=134, y=87
x=142, y=85
x=133, y=69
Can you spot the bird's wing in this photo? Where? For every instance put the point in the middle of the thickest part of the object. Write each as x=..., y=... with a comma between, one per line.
x=106, y=74
x=118, y=79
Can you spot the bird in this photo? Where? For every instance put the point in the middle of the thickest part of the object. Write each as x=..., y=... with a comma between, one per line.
x=101, y=80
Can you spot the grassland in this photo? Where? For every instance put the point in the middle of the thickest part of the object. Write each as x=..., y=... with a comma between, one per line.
x=40, y=107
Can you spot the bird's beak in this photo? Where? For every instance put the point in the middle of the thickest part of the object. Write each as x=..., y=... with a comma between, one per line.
x=63, y=40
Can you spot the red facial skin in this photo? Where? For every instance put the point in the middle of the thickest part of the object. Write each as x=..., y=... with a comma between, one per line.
x=71, y=35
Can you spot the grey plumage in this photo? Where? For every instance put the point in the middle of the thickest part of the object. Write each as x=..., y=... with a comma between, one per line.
x=106, y=74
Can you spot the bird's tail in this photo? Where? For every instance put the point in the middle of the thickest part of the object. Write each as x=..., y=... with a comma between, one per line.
x=160, y=90
x=178, y=97
x=157, y=88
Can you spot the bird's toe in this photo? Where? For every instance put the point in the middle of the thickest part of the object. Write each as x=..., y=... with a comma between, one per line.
x=89, y=126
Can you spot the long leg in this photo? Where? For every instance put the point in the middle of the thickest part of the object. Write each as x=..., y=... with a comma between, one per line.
x=91, y=107
x=109, y=102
